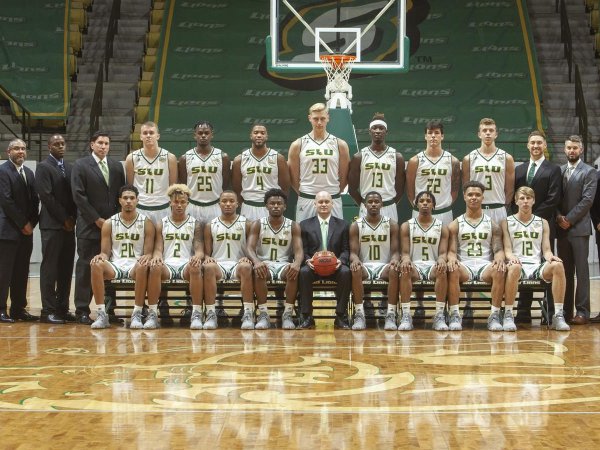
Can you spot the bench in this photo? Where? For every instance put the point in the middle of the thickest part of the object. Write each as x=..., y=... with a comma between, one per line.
x=178, y=301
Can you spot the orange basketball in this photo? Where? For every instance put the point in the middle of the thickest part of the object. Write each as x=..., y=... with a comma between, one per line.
x=325, y=263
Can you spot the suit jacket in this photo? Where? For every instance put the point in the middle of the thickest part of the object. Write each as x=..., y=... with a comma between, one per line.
x=547, y=185
x=19, y=202
x=93, y=198
x=55, y=194
x=338, y=240
x=577, y=199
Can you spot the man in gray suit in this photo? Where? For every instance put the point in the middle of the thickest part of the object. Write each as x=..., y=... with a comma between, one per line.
x=95, y=181
x=574, y=229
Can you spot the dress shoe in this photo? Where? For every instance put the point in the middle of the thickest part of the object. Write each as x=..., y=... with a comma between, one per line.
x=24, y=316
x=112, y=318
x=68, y=317
x=341, y=323
x=84, y=319
x=52, y=318
x=307, y=323
x=595, y=319
x=4, y=318
x=579, y=320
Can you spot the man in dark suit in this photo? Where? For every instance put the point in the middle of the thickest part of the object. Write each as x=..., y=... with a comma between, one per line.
x=545, y=179
x=574, y=229
x=337, y=232
x=19, y=205
x=57, y=226
x=95, y=181
x=595, y=214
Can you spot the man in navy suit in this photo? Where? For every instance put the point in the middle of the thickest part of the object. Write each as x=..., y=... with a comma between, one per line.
x=57, y=227
x=574, y=229
x=338, y=242
x=19, y=205
x=545, y=179
x=95, y=181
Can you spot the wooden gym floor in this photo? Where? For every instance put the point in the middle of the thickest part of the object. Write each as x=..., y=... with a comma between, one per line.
x=72, y=387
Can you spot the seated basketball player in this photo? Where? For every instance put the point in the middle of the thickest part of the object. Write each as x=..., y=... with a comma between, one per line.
x=275, y=248
x=374, y=255
x=475, y=252
x=424, y=242
x=529, y=256
x=178, y=254
x=225, y=258
x=325, y=232
x=127, y=241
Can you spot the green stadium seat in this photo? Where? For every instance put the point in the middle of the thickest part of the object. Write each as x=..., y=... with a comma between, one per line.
x=152, y=39
x=156, y=16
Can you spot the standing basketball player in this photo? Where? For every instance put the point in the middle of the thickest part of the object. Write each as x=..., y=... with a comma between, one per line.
x=318, y=161
x=434, y=170
x=151, y=169
x=257, y=170
x=492, y=167
x=125, y=253
x=206, y=171
x=275, y=248
x=380, y=168
x=225, y=258
x=374, y=255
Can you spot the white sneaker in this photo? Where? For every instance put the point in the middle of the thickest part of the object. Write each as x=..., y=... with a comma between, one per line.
x=151, y=321
x=248, y=320
x=288, y=322
x=405, y=322
x=101, y=321
x=196, y=320
x=390, y=322
x=494, y=322
x=211, y=322
x=360, y=322
x=136, y=320
x=439, y=322
x=508, y=323
x=263, y=321
x=455, y=322
x=559, y=323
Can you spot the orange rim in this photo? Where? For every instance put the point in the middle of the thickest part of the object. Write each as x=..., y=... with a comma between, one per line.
x=337, y=60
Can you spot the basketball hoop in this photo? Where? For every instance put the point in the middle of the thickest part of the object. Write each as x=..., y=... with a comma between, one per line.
x=338, y=68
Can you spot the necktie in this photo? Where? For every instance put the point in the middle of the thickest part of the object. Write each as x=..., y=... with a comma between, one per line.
x=104, y=170
x=324, y=229
x=569, y=172
x=22, y=173
x=61, y=166
x=530, y=174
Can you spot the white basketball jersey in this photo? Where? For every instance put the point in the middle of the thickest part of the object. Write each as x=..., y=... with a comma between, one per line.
x=374, y=241
x=275, y=245
x=258, y=175
x=475, y=242
x=178, y=241
x=526, y=238
x=378, y=173
x=435, y=177
x=151, y=178
x=424, y=242
x=127, y=240
x=491, y=172
x=229, y=241
x=319, y=165
x=204, y=175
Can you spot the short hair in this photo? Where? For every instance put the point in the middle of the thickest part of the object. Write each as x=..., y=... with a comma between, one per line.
x=53, y=136
x=434, y=125
x=203, y=123
x=177, y=189
x=98, y=134
x=575, y=138
x=318, y=107
x=275, y=192
x=228, y=191
x=12, y=143
x=474, y=184
x=536, y=133
x=258, y=125
x=150, y=124
x=487, y=121
x=372, y=193
x=128, y=187
x=525, y=190
x=421, y=194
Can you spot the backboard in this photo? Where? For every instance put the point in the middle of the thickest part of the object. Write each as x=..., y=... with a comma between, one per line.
x=372, y=30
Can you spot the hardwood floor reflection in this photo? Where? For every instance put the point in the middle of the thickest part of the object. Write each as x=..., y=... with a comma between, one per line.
x=174, y=388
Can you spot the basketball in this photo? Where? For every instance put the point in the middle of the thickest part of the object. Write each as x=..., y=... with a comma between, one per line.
x=325, y=263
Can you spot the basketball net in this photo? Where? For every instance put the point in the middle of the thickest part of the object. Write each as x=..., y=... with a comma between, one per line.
x=338, y=68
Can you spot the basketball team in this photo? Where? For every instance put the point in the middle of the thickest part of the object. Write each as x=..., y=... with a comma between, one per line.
x=161, y=219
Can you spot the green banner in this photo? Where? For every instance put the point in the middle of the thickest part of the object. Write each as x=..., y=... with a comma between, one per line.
x=469, y=60
x=33, y=56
